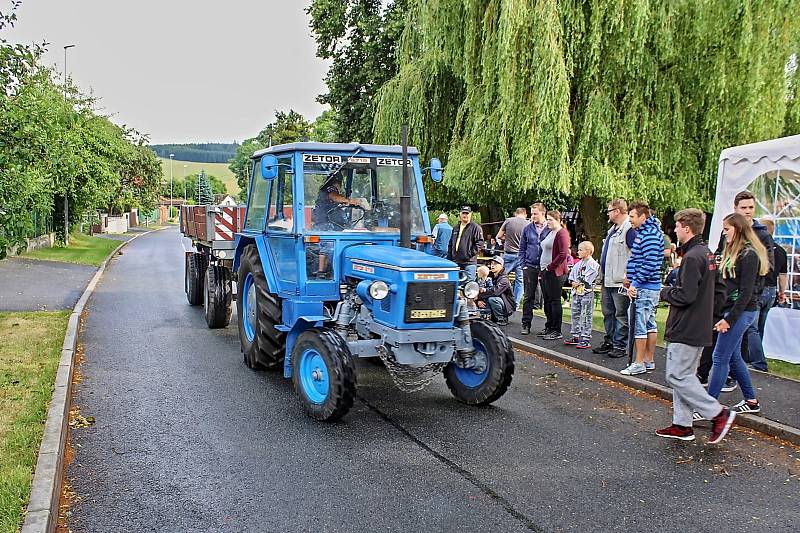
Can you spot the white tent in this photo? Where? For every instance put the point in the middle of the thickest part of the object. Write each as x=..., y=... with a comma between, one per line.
x=771, y=170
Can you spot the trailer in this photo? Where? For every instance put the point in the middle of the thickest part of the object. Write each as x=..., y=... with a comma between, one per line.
x=208, y=264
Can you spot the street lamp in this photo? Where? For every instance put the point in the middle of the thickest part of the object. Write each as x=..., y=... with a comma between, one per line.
x=170, y=184
x=185, y=202
x=66, y=189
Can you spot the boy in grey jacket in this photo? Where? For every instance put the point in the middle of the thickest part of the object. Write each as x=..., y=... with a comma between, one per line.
x=582, y=278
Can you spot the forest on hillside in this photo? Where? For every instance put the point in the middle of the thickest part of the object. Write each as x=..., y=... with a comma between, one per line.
x=199, y=152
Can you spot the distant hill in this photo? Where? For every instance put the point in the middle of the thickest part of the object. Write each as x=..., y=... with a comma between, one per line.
x=219, y=170
x=197, y=152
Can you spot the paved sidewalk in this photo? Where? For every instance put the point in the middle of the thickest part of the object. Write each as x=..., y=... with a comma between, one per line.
x=779, y=397
x=33, y=285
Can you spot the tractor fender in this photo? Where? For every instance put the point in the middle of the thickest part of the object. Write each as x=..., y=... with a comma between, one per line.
x=242, y=241
x=301, y=325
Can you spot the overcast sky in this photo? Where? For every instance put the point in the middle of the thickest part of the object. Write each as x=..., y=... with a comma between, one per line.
x=180, y=70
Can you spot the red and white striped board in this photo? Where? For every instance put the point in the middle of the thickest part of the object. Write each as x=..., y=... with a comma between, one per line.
x=228, y=222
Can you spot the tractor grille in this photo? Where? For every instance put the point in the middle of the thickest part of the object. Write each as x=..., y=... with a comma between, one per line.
x=430, y=302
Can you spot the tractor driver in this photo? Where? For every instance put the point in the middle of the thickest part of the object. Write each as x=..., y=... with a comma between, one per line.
x=329, y=197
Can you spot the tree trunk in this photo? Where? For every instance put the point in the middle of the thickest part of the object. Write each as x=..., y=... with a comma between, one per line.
x=594, y=222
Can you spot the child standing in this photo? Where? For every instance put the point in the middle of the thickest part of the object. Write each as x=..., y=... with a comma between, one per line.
x=582, y=278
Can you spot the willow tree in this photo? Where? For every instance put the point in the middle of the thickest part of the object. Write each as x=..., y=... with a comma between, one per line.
x=578, y=101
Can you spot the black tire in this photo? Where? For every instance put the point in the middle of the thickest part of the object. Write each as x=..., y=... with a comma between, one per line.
x=500, y=358
x=339, y=370
x=218, y=295
x=194, y=275
x=268, y=346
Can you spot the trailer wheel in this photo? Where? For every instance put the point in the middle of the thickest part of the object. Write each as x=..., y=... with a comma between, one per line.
x=194, y=274
x=484, y=385
x=218, y=294
x=323, y=374
x=258, y=312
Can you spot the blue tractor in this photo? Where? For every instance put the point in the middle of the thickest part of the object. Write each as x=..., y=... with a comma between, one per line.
x=331, y=267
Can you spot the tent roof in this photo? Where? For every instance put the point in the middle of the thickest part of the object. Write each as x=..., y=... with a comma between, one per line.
x=773, y=149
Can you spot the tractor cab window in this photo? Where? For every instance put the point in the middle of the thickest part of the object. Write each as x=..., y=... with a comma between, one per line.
x=361, y=195
x=257, y=202
x=281, y=199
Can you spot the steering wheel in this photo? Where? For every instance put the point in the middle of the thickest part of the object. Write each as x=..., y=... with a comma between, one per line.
x=345, y=219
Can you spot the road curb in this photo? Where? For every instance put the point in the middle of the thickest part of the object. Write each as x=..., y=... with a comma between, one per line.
x=757, y=423
x=42, y=512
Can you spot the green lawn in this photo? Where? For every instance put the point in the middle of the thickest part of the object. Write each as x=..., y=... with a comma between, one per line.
x=82, y=249
x=30, y=348
x=219, y=170
x=779, y=368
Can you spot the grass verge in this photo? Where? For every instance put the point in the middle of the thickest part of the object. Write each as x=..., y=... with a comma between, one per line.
x=30, y=348
x=82, y=249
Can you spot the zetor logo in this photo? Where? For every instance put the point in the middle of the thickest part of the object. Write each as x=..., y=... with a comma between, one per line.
x=430, y=276
x=364, y=268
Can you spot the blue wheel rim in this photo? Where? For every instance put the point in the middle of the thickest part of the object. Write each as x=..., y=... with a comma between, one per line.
x=471, y=378
x=249, y=308
x=314, y=376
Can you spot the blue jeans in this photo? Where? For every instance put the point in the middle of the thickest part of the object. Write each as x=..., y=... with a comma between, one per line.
x=646, y=303
x=615, y=316
x=755, y=348
x=513, y=262
x=727, y=357
x=498, y=307
x=471, y=269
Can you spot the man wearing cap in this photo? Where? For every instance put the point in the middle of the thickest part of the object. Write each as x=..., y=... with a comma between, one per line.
x=501, y=297
x=511, y=233
x=465, y=243
x=442, y=232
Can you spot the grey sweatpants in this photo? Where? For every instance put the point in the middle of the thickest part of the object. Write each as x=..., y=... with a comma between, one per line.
x=688, y=394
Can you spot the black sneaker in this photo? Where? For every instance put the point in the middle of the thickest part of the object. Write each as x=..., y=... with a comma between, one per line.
x=603, y=348
x=526, y=329
x=746, y=407
x=553, y=335
x=616, y=353
x=543, y=333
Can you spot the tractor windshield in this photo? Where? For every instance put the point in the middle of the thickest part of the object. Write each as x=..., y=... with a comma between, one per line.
x=363, y=195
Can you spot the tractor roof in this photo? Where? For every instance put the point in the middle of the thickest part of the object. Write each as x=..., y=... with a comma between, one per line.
x=336, y=147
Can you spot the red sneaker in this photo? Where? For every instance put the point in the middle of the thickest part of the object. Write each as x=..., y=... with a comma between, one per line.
x=676, y=432
x=721, y=424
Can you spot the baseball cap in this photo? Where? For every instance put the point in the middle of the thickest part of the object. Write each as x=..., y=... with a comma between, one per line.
x=466, y=209
x=499, y=260
x=442, y=217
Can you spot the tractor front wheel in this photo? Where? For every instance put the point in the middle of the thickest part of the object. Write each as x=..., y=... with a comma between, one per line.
x=494, y=368
x=323, y=374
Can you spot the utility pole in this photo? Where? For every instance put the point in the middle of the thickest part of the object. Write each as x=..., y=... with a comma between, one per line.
x=66, y=190
x=170, y=184
x=185, y=202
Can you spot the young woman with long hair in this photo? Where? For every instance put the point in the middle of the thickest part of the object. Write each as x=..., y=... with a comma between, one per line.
x=744, y=263
x=555, y=253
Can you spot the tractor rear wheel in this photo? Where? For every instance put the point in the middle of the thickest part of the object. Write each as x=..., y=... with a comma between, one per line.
x=258, y=312
x=218, y=296
x=491, y=378
x=323, y=374
x=194, y=274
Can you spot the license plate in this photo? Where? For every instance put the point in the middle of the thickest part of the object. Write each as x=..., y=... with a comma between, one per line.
x=429, y=313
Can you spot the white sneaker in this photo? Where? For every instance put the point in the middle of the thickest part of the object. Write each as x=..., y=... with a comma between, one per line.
x=650, y=365
x=634, y=369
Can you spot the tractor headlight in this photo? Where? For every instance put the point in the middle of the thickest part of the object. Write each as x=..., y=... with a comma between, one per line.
x=379, y=290
x=471, y=290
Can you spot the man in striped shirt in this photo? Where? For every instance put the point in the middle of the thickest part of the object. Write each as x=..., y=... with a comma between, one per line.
x=643, y=279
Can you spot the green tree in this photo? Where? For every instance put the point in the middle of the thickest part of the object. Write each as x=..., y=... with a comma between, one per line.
x=323, y=129
x=576, y=102
x=287, y=128
x=359, y=37
x=204, y=192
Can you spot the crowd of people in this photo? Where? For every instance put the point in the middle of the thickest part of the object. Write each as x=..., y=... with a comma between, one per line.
x=718, y=302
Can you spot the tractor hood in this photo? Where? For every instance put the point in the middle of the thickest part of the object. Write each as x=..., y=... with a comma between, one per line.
x=394, y=258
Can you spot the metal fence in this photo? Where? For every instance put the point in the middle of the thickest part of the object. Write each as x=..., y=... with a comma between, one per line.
x=41, y=224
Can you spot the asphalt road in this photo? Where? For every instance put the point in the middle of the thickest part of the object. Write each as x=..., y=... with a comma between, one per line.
x=188, y=439
x=33, y=285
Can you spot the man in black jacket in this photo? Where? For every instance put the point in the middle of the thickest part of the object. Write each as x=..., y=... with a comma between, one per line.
x=500, y=298
x=689, y=327
x=465, y=243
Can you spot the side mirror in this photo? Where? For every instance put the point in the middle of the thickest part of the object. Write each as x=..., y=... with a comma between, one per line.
x=269, y=167
x=437, y=172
